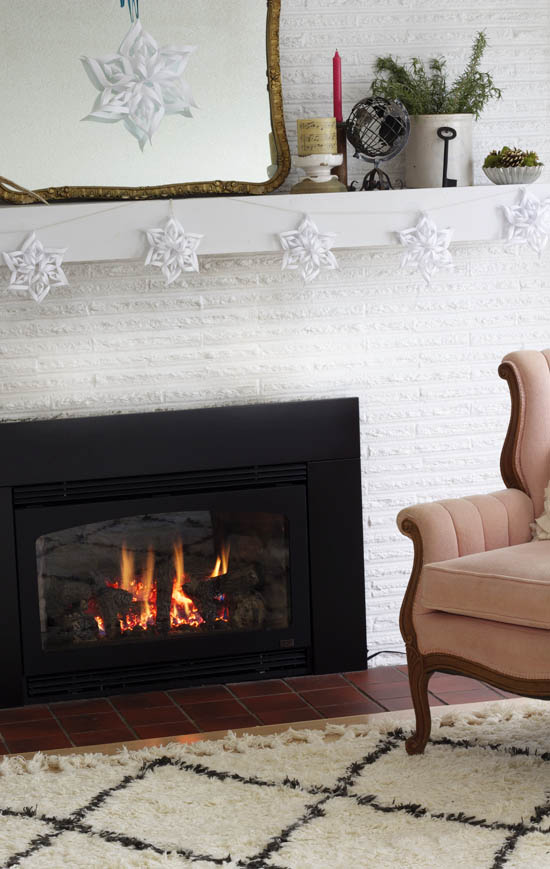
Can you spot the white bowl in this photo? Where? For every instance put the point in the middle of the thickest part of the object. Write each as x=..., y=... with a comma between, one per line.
x=513, y=174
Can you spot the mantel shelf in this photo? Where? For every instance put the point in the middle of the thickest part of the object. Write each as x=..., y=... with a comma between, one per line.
x=94, y=231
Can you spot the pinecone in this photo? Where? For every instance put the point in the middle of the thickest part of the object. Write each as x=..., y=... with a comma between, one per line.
x=513, y=157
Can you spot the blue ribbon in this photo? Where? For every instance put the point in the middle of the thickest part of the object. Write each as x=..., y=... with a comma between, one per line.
x=133, y=8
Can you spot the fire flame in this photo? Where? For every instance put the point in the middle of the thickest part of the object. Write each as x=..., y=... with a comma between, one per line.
x=222, y=562
x=143, y=612
x=126, y=568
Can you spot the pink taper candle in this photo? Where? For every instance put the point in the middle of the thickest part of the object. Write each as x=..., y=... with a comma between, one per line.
x=337, y=86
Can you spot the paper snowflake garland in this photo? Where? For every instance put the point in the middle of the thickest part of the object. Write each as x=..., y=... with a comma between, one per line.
x=35, y=268
x=173, y=250
x=308, y=250
x=426, y=247
x=140, y=84
x=529, y=221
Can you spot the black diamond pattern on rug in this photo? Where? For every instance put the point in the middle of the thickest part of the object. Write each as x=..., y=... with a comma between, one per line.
x=310, y=818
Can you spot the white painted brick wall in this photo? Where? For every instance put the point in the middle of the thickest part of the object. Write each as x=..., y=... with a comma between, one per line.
x=423, y=360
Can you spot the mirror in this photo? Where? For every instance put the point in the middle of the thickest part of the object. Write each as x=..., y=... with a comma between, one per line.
x=108, y=99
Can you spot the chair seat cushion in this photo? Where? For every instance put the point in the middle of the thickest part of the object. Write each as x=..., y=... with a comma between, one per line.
x=509, y=585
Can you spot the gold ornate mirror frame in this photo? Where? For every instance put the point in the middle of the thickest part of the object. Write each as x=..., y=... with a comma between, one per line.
x=195, y=188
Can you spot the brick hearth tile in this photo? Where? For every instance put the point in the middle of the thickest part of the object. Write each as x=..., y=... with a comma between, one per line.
x=105, y=735
x=476, y=696
x=379, y=690
x=145, y=700
x=435, y=701
x=311, y=683
x=395, y=703
x=173, y=728
x=448, y=682
x=201, y=694
x=377, y=674
x=31, y=730
x=207, y=725
x=332, y=696
x=80, y=707
x=360, y=707
x=256, y=689
x=45, y=742
x=287, y=716
x=158, y=714
x=24, y=713
x=98, y=721
x=215, y=709
x=274, y=701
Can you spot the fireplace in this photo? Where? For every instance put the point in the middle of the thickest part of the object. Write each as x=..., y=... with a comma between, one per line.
x=166, y=549
x=164, y=575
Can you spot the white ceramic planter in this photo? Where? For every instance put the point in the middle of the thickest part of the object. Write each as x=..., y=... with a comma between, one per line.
x=513, y=174
x=424, y=151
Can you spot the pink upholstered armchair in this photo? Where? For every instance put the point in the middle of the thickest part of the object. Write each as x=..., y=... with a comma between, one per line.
x=478, y=600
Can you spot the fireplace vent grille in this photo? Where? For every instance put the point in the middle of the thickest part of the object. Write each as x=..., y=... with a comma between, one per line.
x=74, y=491
x=169, y=674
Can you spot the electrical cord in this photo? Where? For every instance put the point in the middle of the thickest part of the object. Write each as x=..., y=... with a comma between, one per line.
x=385, y=652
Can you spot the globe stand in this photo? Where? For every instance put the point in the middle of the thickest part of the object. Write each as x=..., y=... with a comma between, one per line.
x=378, y=129
x=376, y=179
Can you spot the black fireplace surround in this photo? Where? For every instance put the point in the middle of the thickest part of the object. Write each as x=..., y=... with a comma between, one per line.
x=175, y=548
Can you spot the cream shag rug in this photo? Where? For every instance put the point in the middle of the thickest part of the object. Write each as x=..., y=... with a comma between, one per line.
x=340, y=798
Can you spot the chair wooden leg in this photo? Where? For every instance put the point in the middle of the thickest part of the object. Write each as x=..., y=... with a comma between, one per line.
x=418, y=681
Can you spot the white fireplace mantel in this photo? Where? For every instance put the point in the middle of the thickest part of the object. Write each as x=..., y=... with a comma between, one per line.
x=115, y=230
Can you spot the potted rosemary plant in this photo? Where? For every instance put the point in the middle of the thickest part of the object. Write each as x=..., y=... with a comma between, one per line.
x=433, y=103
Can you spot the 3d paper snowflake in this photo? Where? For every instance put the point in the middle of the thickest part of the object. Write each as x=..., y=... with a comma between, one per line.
x=140, y=84
x=308, y=249
x=529, y=221
x=427, y=247
x=173, y=250
x=35, y=268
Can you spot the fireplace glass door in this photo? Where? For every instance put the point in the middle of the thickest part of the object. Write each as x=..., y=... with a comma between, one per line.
x=163, y=575
x=170, y=578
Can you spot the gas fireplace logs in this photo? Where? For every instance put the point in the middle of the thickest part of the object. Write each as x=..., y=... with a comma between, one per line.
x=245, y=604
x=85, y=611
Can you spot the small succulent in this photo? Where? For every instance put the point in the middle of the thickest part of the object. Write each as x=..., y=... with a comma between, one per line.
x=507, y=157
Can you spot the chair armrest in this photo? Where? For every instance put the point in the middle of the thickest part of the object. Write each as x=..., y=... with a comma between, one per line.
x=464, y=526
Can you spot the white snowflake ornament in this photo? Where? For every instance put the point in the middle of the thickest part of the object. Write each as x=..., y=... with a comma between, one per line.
x=35, y=268
x=426, y=247
x=308, y=249
x=529, y=221
x=140, y=84
x=173, y=250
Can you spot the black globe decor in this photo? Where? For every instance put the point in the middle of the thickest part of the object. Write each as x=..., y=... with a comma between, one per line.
x=378, y=129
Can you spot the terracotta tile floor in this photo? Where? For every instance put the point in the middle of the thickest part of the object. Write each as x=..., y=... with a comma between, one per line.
x=222, y=707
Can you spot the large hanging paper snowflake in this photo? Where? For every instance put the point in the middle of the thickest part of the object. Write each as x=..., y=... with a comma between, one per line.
x=35, y=268
x=308, y=249
x=140, y=84
x=427, y=247
x=173, y=250
x=529, y=221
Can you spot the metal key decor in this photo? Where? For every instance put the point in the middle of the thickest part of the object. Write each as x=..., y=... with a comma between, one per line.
x=447, y=134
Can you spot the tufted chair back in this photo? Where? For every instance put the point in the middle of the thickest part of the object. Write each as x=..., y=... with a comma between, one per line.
x=525, y=459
